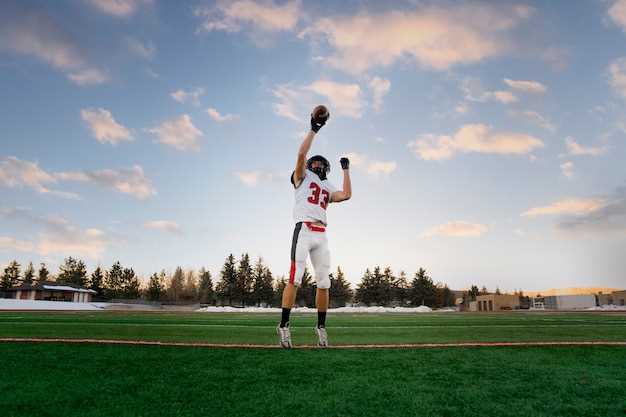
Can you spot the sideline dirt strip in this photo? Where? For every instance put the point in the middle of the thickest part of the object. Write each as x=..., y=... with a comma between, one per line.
x=259, y=346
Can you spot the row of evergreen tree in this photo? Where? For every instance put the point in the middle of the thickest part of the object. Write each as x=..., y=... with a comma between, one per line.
x=240, y=283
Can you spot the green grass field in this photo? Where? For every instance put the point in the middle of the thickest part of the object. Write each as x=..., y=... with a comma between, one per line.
x=258, y=328
x=59, y=379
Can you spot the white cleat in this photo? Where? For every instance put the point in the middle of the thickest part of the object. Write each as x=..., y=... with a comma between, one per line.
x=322, y=336
x=285, y=336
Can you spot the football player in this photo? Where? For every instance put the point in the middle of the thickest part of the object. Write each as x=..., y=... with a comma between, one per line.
x=313, y=194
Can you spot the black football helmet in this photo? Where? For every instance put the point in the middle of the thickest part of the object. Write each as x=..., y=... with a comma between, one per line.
x=320, y=171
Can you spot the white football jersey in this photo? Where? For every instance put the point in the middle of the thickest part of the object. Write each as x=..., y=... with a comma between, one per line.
x=312, y=198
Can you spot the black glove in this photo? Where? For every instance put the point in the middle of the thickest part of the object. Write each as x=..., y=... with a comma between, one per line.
x=315, y=125
x=345, y=163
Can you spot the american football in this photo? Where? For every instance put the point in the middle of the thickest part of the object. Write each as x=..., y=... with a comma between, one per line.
x=321, y=114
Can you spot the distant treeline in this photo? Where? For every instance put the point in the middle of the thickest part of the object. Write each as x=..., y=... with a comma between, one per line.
x=240, y=283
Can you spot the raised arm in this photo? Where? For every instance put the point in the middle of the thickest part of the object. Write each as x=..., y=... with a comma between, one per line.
x=346, y=192
x=298, y=173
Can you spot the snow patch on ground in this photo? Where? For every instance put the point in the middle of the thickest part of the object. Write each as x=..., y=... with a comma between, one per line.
x=12, y=304
x=420, y=309
x=608, y=307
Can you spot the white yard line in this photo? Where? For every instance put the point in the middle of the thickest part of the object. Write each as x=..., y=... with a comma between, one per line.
x=353, y=346
x=82, y=323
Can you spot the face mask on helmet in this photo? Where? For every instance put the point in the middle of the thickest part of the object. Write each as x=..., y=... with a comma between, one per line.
x=319, y=165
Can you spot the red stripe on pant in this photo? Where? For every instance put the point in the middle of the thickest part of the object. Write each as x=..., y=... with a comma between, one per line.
x=292, y=272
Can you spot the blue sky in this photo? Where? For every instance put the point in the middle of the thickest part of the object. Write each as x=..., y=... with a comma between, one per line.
x=487, y=140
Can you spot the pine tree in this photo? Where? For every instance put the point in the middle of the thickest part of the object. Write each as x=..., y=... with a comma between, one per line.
x=448, y=297
x=156, y=287
x=262, y=284
x=281, y=283
x=388, y=287
x=401, y=289
x=205, y=287
x=113, y=281
x=43, y=274
x=498, y=291
x=364, y=291
x=130, y=284
x=97, y=282
x=483, y=291
x=175, y=288
x=244, y=280
x=340, y=291
x=444, y=297
x=227, y=286
x=374, y=288
x=29, y=274
x=73, y=271
x=11, y=276
x=422, y=290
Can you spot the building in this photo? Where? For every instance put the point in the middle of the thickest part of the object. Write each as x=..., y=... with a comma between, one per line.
x=495, y=302
x=617, y=298
x=565, y=302
x=52, y=291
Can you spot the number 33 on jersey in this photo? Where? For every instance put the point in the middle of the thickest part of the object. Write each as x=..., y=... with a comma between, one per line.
x=312, y=198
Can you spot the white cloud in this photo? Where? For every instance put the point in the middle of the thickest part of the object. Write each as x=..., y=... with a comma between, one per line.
x=537, y=119
x=119, y=8
x=372, y=167
x=473, y=91
x=381, y=167
x=608, y=219
x=356, y=159
x=89, y=76
x=505, y=97
x=473, y=138
x=152, y=73
x=380, y=88
x=296, y=102
x=90, y=242
x=434, y=37
x=131, y=181
x=34, y=33
x=253, y=178
x=234, y=15
x=617, y=76
x=567, y=169
x=193, y=96
x=577, y=206
x=179, y=133
x=461, y=108
x=145, y=50
x=15, y=172
x=164, y=226
x=220, y=118
x=574, y=148
x=104, y=127
x=345, y=99
x=10, y=243
x=533, y=87
x=457, y=229
x=60, y=236
x=617, y=13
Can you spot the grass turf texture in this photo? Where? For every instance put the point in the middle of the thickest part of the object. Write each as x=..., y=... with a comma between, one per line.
x=106, y=380
x=342, y=328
